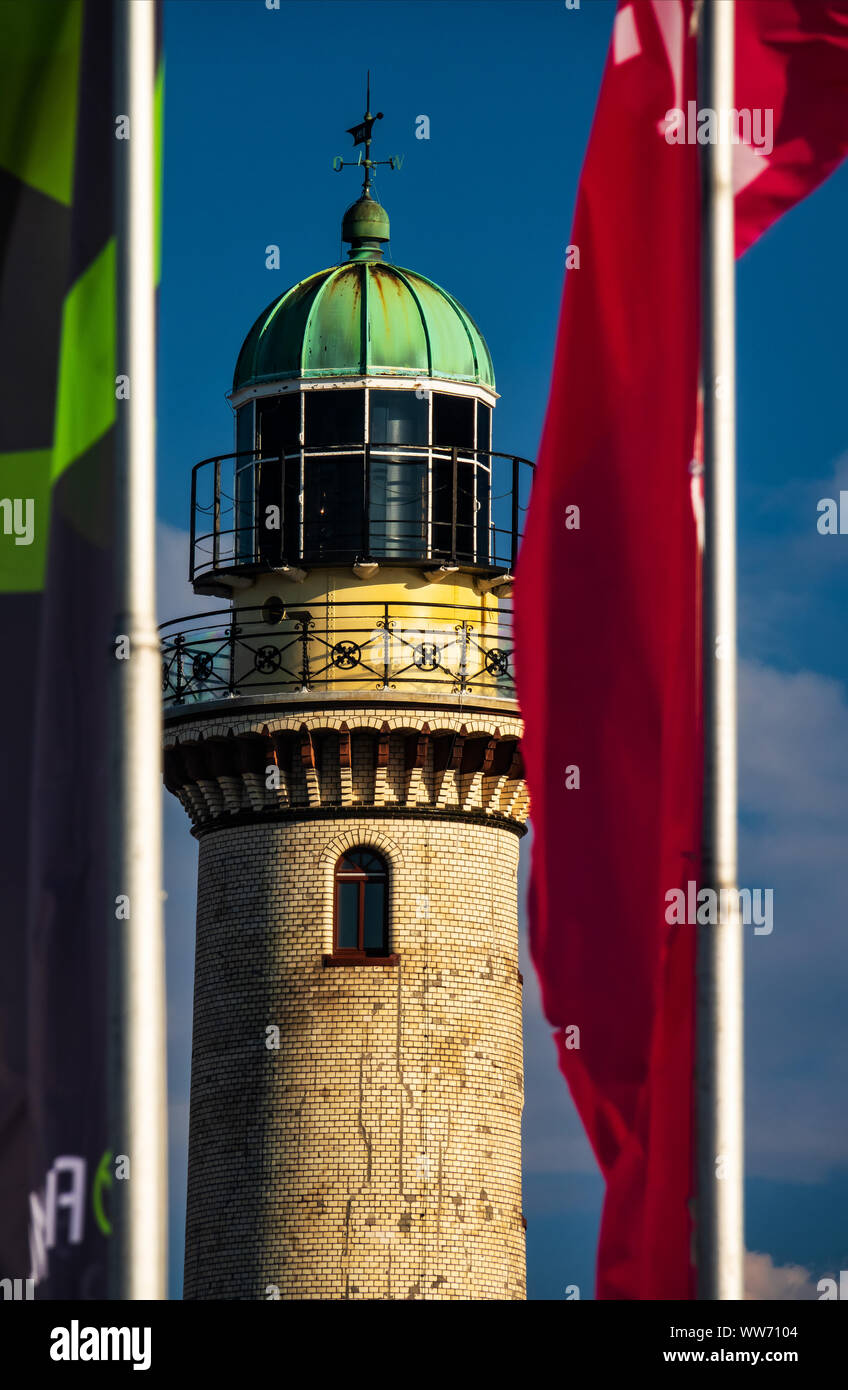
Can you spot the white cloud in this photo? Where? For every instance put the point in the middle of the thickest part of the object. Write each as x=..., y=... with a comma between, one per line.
x=174, y=594
x=766, y=1281
x=793, y=747
x=791, y=578
x=794, y=797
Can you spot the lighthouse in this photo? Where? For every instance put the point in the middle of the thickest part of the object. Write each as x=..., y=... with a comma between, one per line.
x=341, y=729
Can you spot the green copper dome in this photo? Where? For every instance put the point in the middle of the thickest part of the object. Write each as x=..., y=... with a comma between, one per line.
x=364, y=318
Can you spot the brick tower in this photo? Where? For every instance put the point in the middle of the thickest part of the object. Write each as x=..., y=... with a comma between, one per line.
x=343, y=735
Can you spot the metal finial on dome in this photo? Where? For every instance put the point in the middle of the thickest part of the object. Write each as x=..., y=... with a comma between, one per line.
x=365, y=225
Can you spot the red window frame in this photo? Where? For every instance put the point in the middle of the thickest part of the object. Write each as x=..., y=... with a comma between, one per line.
x=347, y=871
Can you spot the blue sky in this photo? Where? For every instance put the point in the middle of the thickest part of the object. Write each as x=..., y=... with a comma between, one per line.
x=257, y=105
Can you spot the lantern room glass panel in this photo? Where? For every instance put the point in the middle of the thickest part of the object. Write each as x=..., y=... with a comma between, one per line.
x=397, y=483
x=397, y=417
x=453, y=496
x=334, y=524
x=333, y=508
x=334, y=417
x=278, y=478
x=453, y=421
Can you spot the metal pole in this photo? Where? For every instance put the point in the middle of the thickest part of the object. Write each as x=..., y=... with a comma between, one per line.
x=138, y=1247
x=720, y=1122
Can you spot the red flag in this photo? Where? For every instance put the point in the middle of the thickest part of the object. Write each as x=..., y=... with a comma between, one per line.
x=607, y=602
x=792, y=60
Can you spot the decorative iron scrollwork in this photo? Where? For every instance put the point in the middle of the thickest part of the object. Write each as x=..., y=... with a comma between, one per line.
x=346, y=655
x=497, y=662
x=201, y=667
x=427, y=656
x=266, y=660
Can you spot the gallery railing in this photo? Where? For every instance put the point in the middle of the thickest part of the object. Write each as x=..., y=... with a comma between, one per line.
x=377, y=646
x=322, y=504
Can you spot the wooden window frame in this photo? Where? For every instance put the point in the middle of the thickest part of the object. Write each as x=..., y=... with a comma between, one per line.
x=348, y=955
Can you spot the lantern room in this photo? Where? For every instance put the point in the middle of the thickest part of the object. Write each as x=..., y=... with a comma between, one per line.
x=363, y=400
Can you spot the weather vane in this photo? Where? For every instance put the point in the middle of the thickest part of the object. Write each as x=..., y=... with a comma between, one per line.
x=362, y=136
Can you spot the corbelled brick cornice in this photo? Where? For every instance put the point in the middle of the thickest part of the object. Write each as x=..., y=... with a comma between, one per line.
x=316, y=761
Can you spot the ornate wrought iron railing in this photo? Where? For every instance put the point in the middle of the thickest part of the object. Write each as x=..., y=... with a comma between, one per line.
x=323, y=646
x=332, y=504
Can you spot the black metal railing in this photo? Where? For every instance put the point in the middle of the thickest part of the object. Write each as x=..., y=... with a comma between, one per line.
x=352, y=645
x=410, y=504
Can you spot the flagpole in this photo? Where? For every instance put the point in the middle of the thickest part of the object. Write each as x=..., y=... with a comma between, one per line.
x=719, y=1052
x=138, y=1253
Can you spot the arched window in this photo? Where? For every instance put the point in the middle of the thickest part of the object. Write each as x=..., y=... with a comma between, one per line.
x=361, y=907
